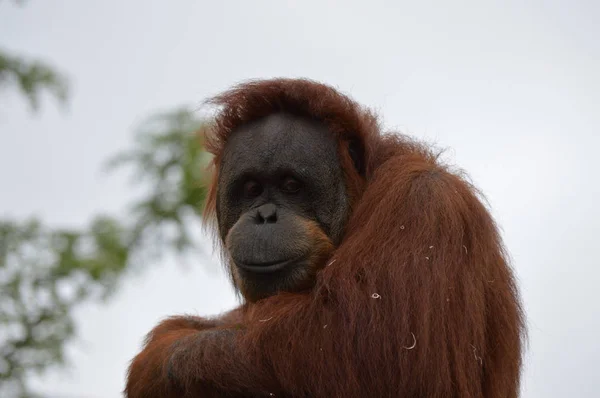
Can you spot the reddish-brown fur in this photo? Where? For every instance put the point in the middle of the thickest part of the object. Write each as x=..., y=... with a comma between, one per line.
x=417, y=301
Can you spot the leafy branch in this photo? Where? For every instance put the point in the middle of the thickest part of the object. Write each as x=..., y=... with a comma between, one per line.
x=45, y=273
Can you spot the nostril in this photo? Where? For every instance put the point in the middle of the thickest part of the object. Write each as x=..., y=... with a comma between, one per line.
x=266, y=214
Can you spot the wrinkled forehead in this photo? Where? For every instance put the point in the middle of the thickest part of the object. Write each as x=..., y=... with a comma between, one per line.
x=280, y=141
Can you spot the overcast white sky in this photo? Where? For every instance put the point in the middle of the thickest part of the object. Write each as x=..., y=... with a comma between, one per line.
x=513, y=87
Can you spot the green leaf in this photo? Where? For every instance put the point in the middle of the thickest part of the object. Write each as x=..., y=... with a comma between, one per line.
x=32, y=77
x=46, y=272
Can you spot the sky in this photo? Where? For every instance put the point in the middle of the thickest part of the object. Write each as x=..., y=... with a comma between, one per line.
x=511, y=88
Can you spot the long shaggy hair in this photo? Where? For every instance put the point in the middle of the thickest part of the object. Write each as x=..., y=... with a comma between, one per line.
x=418, y=300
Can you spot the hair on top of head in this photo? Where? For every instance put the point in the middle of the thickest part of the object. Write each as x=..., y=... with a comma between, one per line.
x=258, y=98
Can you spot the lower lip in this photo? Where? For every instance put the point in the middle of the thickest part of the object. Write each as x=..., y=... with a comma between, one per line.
x=265, y=269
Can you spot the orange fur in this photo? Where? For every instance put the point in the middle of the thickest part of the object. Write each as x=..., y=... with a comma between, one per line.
x=418, y=300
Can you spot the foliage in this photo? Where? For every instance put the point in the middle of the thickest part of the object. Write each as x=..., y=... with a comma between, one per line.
x=45, y=273
x=172, y=163
x=32, y=77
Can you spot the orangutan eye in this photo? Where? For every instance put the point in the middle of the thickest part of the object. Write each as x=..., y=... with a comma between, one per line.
x=252, y=189
x=291, y=185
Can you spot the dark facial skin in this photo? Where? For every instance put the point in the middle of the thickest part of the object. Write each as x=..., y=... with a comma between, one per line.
x=281, y=203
